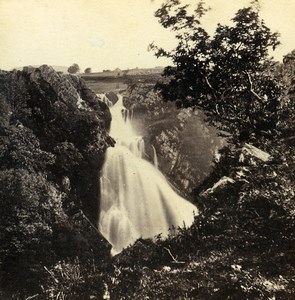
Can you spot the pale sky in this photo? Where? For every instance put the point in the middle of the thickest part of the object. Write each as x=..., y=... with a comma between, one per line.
x=105, y=34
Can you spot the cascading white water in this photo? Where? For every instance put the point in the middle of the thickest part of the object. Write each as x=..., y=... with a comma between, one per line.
x=155, y=157
x=136, y=199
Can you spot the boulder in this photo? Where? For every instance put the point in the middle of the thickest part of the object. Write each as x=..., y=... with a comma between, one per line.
x=251, y=152
x=221, y=184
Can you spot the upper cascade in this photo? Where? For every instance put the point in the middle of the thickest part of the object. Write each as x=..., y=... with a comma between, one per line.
x=136, y=199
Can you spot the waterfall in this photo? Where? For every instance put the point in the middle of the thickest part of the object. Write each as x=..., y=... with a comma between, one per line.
x=155, y=157
x=136, y=199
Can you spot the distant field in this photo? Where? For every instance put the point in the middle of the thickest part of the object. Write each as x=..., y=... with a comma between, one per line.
x=130, y=72
x=104, y=84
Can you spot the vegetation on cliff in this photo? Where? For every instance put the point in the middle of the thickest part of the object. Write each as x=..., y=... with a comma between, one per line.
x=53, y=140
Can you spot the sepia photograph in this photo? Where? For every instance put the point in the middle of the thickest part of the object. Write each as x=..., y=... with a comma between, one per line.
x=147, y=149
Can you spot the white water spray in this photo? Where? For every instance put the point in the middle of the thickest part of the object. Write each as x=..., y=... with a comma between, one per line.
x=136, y=199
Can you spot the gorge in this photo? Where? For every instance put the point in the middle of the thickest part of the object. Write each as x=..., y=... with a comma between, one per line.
x=58, y=140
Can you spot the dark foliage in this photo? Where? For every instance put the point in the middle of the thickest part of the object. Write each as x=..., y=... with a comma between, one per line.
x=225, y=74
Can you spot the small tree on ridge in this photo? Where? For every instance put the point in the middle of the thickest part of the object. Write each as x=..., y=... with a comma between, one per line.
x=87, y=71
x=74, y=68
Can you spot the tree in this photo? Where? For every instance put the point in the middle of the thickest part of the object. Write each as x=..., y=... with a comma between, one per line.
x=87, y=71
x=225, y=74
x=74, y=68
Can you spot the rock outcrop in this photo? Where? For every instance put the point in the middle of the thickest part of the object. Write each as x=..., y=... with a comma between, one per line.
x=53, y=138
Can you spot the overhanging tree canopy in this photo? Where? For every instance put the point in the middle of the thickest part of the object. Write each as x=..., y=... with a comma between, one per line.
x=225, y=75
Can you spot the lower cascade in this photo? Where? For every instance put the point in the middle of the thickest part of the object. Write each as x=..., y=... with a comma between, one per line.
x=136, y=199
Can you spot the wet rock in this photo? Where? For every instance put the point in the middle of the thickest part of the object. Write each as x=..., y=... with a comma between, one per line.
x=112, y=97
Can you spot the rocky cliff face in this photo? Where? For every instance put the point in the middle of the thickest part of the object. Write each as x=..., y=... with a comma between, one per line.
x=53, y=140
x=184, y=144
